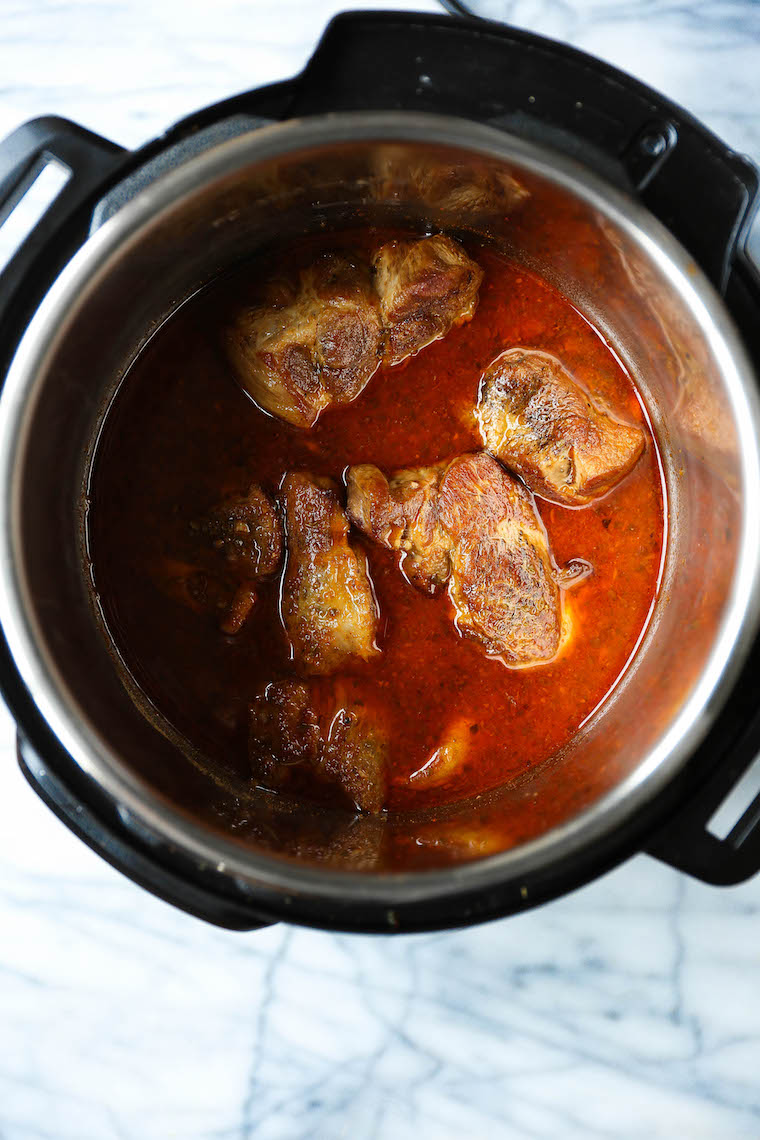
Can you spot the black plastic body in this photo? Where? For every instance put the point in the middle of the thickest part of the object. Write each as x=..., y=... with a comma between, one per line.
x=534, y=88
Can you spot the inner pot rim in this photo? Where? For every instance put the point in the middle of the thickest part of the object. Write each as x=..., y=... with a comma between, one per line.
x=48, y=686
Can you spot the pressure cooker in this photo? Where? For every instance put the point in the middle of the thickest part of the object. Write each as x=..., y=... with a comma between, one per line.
x=132, y=234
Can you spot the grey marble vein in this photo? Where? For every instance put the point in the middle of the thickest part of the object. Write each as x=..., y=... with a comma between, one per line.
x=628, y=1010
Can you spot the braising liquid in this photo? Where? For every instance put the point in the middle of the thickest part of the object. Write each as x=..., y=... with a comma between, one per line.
x=181, y=435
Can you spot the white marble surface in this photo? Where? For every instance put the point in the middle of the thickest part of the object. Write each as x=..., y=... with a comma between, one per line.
x=630, y=1009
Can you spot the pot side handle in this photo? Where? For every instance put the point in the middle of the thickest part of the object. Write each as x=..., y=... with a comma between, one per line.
x=82, y=160
x=705, y=839
x=110, y=839
x=742, y=290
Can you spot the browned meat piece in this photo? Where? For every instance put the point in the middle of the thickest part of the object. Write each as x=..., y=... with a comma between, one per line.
x=205, y=593
x=501, y=577
x=327, y=604
x=307, y=348
x=247, y=531
x=355, y=756
x=402, y=514
x=458, y=842
x=448, y=759
x=347, y=747
x=236, y=614
x=480, y=190
x=237, y=544
x=536, y=419
x=283, y=730
x=426, y=287
x=356, y=845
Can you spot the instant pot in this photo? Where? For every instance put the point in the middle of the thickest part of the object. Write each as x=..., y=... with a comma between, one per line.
x=427, y=121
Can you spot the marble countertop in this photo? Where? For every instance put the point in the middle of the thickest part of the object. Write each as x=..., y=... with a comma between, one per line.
x=628, y=1009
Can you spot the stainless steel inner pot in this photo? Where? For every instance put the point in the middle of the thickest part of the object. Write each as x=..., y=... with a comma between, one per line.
x=621, y=268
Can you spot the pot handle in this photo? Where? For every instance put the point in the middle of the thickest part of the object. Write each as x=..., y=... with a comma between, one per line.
x=112, y=841
x=706, y=839
x=79, y=156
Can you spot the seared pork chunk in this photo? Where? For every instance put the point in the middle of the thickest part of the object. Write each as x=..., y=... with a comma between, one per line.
x=283, y=730
x=448, y=759
x=237, y=612
x=346, y=745
x=355, y=756
x=233, y=547
x=479, y=190
x=356, y=845
x=309, y=346
x=426, y=288
x=489, y=545
x=502, y=578
x=327, y=604
x=536, y=419
x=457, y=842
x=206, y=593
x=402, y=514
x=247, y=532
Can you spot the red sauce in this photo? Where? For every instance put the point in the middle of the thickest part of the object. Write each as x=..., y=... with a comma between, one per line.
x=181, y=434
